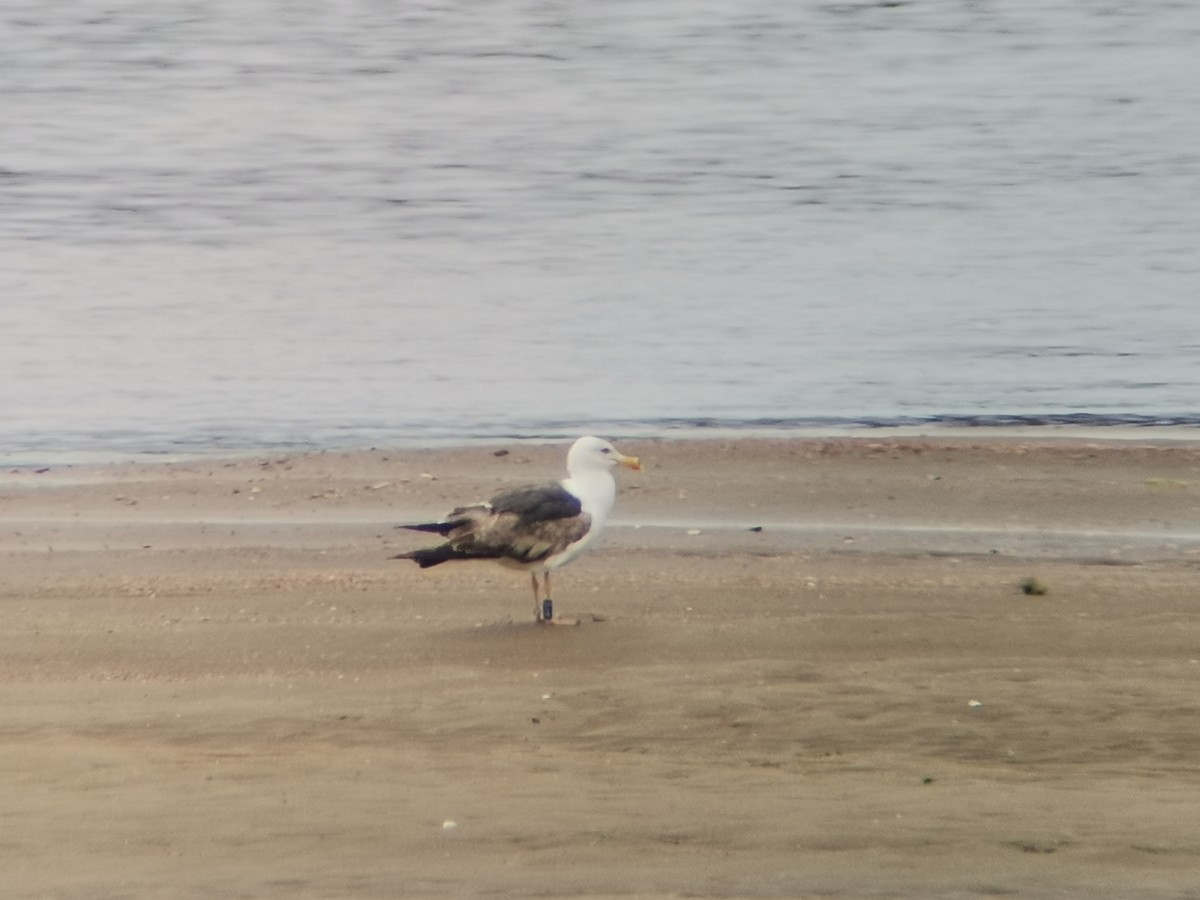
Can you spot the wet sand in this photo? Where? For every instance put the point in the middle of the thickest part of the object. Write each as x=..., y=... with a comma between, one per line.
x=216, y=684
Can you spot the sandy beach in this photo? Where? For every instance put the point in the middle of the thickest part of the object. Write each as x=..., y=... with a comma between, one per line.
x=806, y=668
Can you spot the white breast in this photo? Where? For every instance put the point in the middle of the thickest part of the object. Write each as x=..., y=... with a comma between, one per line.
x=597, y=491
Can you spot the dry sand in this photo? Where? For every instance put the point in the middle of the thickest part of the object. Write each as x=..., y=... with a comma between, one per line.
x=215, y=683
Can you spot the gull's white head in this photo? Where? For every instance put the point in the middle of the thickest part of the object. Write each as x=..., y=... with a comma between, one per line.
x=593, y=453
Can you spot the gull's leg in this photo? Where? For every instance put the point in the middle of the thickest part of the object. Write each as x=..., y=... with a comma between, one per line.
x=547, y=604
x=537, y=597
x=557, y=620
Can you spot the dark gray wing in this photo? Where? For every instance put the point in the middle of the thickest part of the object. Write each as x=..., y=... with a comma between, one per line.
x=537, y=503
x=526, y=524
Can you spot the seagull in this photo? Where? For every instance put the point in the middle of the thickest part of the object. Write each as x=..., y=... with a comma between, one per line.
x=535, y=528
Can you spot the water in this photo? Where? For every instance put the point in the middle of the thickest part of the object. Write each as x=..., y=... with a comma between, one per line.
x=263, y=223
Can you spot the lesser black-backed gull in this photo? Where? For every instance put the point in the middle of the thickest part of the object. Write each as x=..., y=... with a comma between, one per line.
x=535, y=528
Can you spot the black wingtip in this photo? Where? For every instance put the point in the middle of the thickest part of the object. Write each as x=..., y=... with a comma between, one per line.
x=434, y=556
x=442, y=528
x=424, y=558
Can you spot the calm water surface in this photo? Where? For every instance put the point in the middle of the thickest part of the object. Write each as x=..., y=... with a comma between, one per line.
x=263, y=223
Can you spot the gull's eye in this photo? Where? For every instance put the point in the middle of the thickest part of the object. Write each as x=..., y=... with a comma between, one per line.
x=606, y=449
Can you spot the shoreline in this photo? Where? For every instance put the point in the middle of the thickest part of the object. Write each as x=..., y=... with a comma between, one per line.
x=1116, y=433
